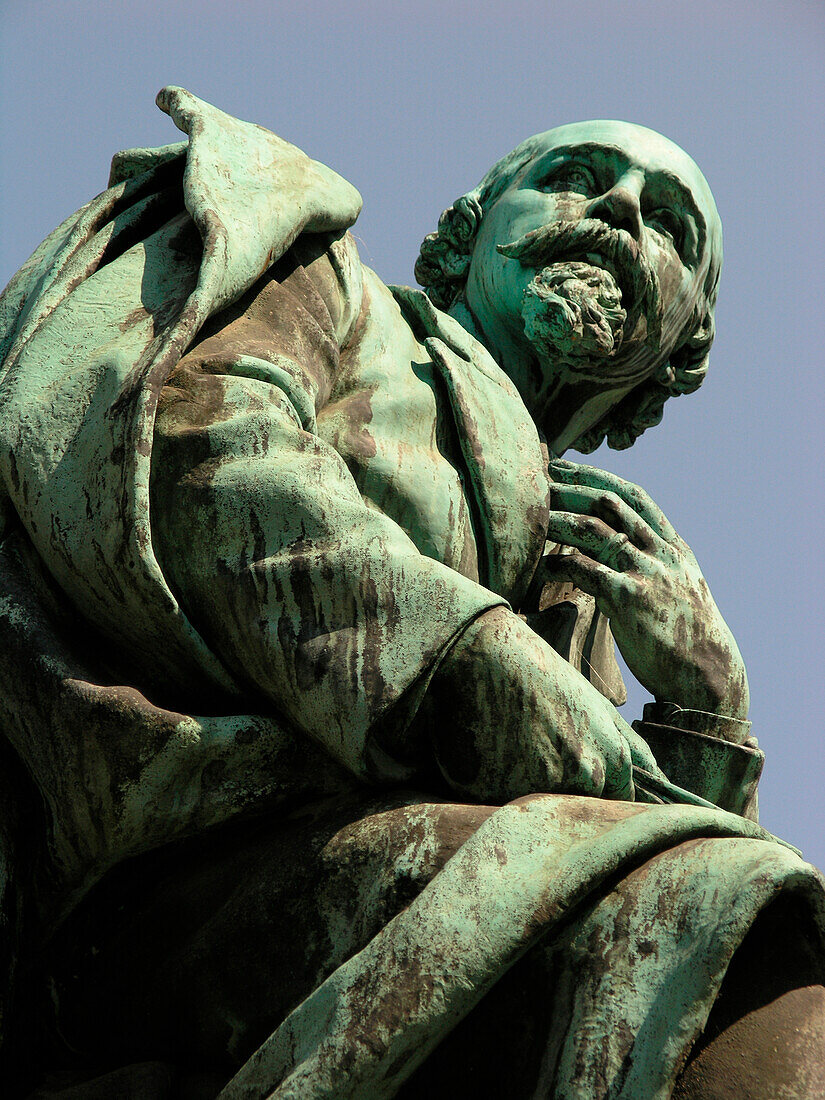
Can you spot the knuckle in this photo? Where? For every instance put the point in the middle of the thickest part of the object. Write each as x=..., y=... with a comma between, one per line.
x=600, y=528
x=609, y=505
x=629, y=584
x=615, y=545
x=639, y=499
x=626, y=591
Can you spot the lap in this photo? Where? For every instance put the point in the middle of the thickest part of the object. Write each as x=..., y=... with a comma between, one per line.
x=200, y=951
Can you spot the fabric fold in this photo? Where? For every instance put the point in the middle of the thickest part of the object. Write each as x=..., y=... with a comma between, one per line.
x=89, y=351
x=531, y=868
x=512, y=490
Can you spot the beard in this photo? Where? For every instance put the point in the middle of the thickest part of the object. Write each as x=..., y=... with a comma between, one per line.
x=575, y=311
x=595, y=294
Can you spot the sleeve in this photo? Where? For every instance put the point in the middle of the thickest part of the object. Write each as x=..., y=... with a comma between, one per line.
x=568, y=620
x=317, y=602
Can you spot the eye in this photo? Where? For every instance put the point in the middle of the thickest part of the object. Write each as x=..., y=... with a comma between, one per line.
x=667, y=224
x=570, y=177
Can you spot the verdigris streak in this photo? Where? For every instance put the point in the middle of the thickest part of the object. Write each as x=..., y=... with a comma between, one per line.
x=307, y=681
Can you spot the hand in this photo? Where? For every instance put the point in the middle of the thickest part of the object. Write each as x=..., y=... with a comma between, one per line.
x=626, y=554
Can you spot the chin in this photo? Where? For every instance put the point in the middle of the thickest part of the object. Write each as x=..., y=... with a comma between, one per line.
x=573, y=317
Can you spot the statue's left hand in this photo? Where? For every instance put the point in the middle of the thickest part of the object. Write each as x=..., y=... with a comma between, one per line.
x=645, y=578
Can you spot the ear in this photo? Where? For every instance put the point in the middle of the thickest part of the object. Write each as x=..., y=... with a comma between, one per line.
x=686, y=369
x=444, y=259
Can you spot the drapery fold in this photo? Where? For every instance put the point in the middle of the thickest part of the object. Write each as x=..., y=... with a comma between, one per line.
x=634, y=991
x=92, y=329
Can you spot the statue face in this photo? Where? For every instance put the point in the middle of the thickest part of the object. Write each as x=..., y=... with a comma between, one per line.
x=590, y=266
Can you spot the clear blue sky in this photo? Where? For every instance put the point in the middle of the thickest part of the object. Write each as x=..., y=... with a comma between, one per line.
x=413, y=102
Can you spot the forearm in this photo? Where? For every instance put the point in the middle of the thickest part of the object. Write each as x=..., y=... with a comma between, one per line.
x=712, y=678
x=507, y=716
x=317, y=603
x=689, y=655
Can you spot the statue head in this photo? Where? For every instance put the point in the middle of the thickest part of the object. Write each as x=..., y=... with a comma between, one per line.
x=588, y=261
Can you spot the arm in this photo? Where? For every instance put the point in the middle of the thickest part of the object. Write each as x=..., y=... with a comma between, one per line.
x=324, y=605
x=507, y=716
x=326, y=609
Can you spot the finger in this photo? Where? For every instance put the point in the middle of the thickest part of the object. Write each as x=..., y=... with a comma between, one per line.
x=612, y=509
x=595, y=538
x=590, y=576
x=633, y=495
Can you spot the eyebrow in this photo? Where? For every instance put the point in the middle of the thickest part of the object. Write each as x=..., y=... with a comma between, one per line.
x=670, y=179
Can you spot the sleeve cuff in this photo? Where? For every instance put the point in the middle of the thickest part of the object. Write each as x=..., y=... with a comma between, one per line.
x=711, y=755
x=735, y=730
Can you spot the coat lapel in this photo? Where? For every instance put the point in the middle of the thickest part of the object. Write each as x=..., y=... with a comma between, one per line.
x=500, y=446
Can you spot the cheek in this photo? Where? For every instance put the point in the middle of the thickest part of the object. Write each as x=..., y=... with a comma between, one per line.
x=668, y=266
x=500, y=280
x=676, y=283
x=569, y=207
x=680, y=295
x=529, y=209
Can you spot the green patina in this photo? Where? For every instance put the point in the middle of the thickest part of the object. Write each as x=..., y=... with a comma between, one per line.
x=348, y=614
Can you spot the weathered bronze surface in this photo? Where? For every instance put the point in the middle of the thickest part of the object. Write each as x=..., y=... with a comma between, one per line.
x=315, y=783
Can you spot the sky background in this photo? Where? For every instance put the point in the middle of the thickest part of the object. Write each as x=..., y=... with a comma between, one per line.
x=413, y=102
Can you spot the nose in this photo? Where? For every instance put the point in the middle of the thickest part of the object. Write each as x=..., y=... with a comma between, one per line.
x=620, y=208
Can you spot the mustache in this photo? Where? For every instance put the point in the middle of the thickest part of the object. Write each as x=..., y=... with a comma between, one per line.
x=568, y=240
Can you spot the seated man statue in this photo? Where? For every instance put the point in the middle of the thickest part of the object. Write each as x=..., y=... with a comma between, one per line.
x=315, y=784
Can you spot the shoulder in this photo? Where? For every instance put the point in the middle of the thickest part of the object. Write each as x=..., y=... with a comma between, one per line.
x=334, y=272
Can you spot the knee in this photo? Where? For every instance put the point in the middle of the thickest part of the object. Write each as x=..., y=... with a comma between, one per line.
x=766, y=1033
x=377, y=865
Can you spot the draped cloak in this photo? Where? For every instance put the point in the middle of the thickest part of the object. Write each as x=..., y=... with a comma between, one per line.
x=162, y=725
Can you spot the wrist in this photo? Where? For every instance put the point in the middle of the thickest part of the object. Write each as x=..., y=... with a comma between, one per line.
x=715, y=682
x=712, y=755
x=729, y=700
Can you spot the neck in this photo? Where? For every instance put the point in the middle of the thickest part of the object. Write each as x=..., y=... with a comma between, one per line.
x=563, y=406
x=537, y=389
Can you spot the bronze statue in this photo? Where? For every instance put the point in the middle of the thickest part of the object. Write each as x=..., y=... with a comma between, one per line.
x=316, y=783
